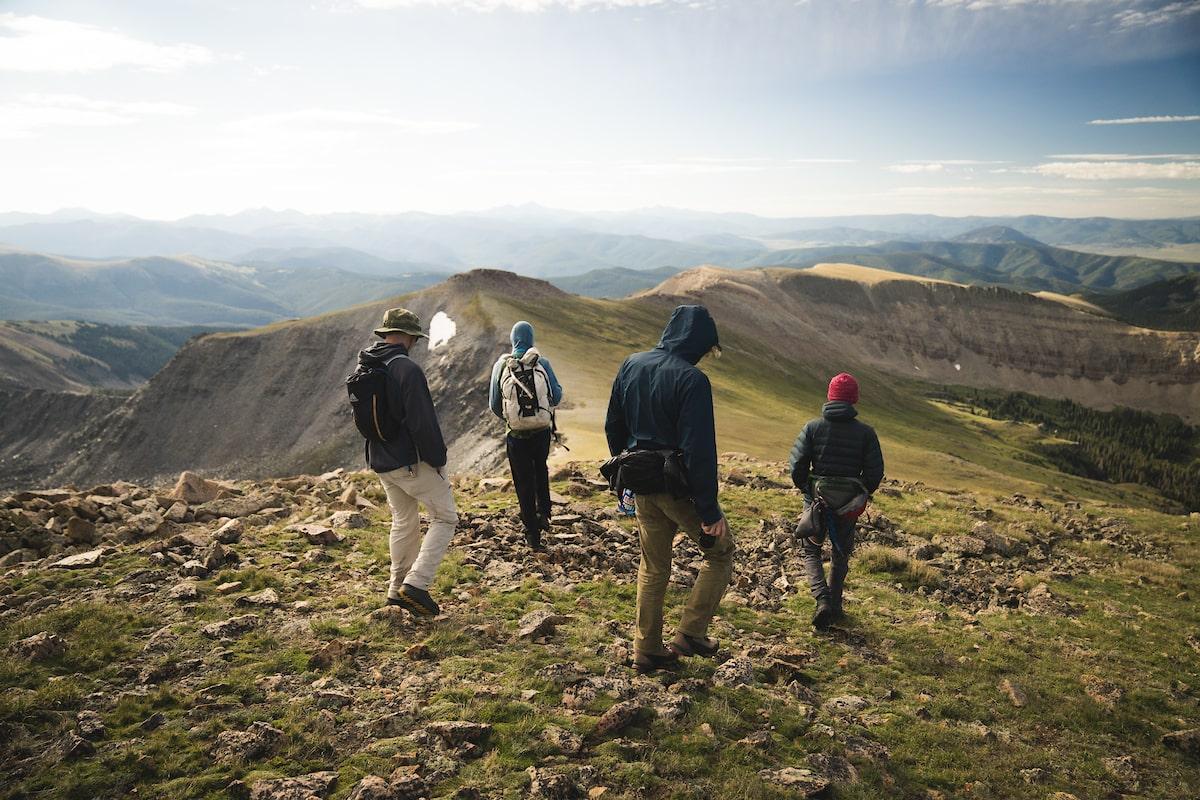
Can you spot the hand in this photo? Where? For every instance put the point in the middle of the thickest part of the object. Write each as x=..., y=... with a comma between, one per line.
x=717, y=529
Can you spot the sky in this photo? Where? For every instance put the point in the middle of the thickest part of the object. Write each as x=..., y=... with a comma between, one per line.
x=165, y=108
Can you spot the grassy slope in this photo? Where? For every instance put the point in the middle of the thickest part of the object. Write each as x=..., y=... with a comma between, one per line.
x=761, y=404
x=930, y=672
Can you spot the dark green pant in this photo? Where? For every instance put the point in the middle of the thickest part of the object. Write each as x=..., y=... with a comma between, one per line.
x=660, y=517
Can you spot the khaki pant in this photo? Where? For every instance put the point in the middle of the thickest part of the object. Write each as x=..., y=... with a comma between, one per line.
x=660, y=517
x=416, y=559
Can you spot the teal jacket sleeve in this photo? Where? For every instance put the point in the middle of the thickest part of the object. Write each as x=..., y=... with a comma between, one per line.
x=494, y=399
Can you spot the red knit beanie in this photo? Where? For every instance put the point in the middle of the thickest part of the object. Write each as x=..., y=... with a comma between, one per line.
x=843, y=387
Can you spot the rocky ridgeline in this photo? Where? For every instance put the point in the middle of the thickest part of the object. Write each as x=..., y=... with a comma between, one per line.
x=180, y=536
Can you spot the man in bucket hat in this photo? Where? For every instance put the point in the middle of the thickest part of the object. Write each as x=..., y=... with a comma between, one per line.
x=411, y=465
x=836, y=457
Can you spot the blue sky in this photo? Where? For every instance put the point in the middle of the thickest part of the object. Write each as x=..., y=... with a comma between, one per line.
x=163, y=108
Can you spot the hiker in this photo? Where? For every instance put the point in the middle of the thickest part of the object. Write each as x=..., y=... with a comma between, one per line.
x=524, y=392
x=836, y=459
x=661, y=433
x=411, y=462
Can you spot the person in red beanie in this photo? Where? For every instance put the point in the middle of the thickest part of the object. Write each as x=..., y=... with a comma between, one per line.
x=835, y=458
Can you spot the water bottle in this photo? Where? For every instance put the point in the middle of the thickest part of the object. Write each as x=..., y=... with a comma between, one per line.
x=625, y=503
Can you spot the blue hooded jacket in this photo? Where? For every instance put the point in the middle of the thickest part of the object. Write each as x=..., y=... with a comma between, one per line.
x=522, y=339
x=662, y=401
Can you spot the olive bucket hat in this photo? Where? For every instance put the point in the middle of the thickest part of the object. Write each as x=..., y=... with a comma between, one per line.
x=400, y=320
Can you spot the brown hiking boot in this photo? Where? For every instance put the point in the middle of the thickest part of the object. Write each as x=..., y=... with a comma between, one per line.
x=686, y=645
x=645, y=662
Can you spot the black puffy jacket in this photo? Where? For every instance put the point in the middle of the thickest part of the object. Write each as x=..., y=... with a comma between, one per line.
x=839, y=445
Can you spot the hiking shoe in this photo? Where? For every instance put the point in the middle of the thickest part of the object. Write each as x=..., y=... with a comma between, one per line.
x=686, y=645
x=824, y=616
x=645, y=662
x=534, y=539
x=417, y=601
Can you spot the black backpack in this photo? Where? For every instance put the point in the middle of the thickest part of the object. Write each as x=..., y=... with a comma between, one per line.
x=367, y=388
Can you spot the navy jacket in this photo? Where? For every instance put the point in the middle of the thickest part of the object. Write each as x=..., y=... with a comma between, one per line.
x=410, y=403
x=662, y=401
x=839, y=445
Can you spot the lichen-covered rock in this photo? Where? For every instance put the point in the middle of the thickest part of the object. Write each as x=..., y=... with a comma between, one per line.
x=259, y=740
x=40, y=647
x=301, y=787
x=618, y=717
x=737, y=671
x=456, y=732
x=234, y=626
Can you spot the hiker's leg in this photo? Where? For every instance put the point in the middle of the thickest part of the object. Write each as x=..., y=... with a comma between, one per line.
x=656, y=532
x=815, y=570
x=839, y=566
x=520, y=462
x=434, y=492
x=540, y=446
x=404, y=540
x=714, y=576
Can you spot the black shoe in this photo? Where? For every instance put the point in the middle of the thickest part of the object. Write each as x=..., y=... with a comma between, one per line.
x=534, y=539
x=644, y=662
x=824, y=616
x=417, y=601
x=686, y=645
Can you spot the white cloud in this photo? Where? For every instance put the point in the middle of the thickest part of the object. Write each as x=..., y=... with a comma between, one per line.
x=1124, y=157
x=822, y=161
x=522, y=6
x=940, y=165
x=1146, y=120
x=36, y=112
x=39, y=44
x=696, y=166
x=1137, y=18
x=1120, y=170
x=913, y=168
x=333, y=119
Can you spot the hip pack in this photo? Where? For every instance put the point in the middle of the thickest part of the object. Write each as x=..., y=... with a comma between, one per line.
x=837, y=504
x=648, y=472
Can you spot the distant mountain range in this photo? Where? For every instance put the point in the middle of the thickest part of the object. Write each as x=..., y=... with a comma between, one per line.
x=182, y=290
x=79, y=356
x=537, y=241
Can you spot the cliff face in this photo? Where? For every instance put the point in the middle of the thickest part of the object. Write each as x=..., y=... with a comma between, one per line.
x=40, y=430
x=947, y=333
x=272, y=401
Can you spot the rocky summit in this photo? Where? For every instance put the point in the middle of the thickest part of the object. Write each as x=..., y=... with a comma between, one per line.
x=229, y=639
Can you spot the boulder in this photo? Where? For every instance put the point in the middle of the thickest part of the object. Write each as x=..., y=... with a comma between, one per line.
x=799, y=781
x=372, y=787
x=539, y=624
x=89, y=725
x=194, y=490
x=234, y=507
x=618, y=718
x=230, y=532
x=234, y=626
x=319, y=534
x=177, y=512
x=347, y=519
x=845, y=704
x=734, y=672
x=267, y=598
x=259, y=740
x=301, y=787
x=1186, y=741
x=562, y=739
x=40, y=647
x=456, y=732
x=91, y=558
x=80, y=531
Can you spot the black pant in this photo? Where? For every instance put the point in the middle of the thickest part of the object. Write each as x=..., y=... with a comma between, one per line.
x=527, y=459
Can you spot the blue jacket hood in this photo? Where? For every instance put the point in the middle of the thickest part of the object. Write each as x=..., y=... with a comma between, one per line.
x=521, y=338
x=690, y=333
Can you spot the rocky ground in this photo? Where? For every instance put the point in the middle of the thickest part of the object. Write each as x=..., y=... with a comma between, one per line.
x=226, y=639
